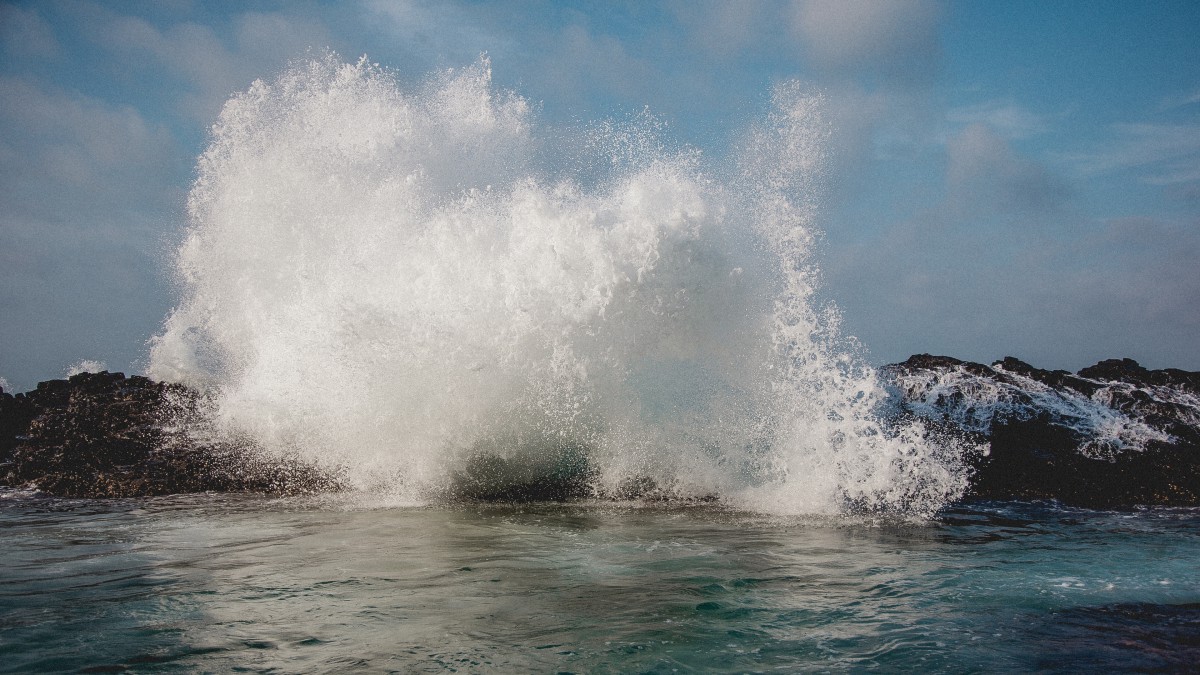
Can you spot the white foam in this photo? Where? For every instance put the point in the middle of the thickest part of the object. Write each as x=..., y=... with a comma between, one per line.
x=973, y=402
x=395, y=281
x=85, y=366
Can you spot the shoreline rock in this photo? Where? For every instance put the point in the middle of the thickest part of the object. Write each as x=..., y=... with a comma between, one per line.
x=1113, y=435
x=98, y=435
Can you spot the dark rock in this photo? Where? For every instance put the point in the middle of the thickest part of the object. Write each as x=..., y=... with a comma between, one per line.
x=1114, y=435
x=105, y=435
x=937, y=363
x=1052, y=378
x=545, y=471
x=16, y=412
x=1130, y=371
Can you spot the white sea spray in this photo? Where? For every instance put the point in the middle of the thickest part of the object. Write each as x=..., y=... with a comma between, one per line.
x=974, y=403
x=85, y=366
x=397, y=282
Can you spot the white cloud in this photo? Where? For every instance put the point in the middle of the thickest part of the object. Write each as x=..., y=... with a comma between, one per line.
x=583, y=63
x=971, y=268
x=984, y=173
x=1165, y=154
x=1005, y=263
x=728, y=29
x=86, y=151
x=439, y=31
x=1103, y=289
x=898, y=37
x=88, y=188
x=1005, y=117
x=25, y=34
x=211, y=67
x=1127, y=282
x=1183, y=100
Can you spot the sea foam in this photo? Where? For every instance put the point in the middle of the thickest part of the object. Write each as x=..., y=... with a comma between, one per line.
x=422, y=287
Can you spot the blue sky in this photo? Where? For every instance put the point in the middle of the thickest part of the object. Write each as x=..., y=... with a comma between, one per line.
x=1006, y=178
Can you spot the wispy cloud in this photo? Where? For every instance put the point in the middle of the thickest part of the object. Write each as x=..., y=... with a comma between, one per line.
x=88, y=187
x=1004, y=116
x=983, y=172
x=1164, y=154
x=210, y=66
x=584, y=63
x=86, y=151
x=439, y=33
x=898, y=38
x=727, y=30
x=1182, y=100
x=25, y=34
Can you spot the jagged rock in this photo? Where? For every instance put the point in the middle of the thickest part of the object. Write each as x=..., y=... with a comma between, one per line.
x=1128, y=370
x=105, y=435
x=1113, y=435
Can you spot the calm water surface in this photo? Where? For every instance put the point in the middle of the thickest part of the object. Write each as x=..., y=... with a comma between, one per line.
x=225, y=583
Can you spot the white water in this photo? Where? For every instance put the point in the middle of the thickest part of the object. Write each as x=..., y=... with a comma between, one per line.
x=393, y=282
x=85, y=366
x=973, y=403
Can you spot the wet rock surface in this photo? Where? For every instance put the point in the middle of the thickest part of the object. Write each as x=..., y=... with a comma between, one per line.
x=106, y=435
x=1112, y=435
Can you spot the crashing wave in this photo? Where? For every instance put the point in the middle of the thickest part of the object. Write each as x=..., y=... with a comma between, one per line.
x=427, y=292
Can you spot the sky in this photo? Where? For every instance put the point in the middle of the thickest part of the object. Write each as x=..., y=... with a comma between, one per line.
x=1005, y=178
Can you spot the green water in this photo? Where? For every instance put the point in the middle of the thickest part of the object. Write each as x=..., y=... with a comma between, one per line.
x=221, y=583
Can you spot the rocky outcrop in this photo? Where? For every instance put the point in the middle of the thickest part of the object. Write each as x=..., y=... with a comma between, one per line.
x=105, y=435
x=1112, y=435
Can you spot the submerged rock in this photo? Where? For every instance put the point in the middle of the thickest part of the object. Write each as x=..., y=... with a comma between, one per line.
x=562, y=474
x=105, y=435
x=1112, y=435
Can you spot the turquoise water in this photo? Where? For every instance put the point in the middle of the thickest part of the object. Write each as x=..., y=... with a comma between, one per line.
x=225, y=583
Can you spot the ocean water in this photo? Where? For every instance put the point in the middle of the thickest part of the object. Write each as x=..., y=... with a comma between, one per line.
x=218, y=583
